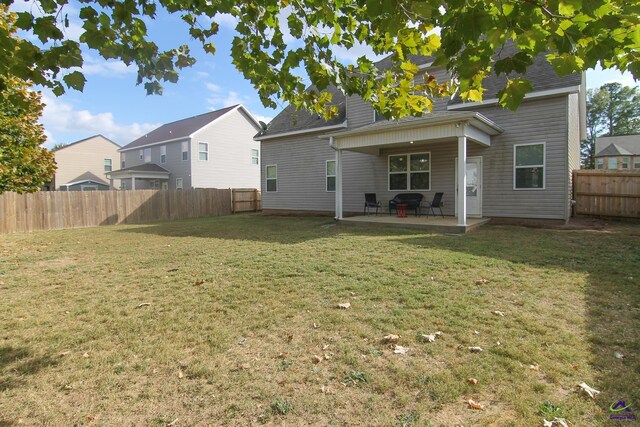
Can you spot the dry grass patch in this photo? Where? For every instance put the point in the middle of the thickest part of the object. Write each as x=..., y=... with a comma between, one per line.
x=235, y=321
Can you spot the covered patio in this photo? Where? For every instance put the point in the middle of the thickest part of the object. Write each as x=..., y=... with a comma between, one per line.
x=444, y=128
x=141, y=177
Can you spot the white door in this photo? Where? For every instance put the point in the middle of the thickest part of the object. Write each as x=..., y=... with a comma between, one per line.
x=474, y=186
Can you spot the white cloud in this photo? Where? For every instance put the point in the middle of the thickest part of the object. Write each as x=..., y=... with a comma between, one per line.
x=62, y=117
x=219, y=99
x=226, y=20
x=105, y=67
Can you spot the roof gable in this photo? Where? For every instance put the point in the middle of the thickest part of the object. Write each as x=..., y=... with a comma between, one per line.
x=85, y=140
x=624, y=145
x=87, y=176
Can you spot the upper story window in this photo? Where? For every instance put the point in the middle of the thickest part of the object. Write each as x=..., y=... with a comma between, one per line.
x=636, y=162
x=163, y=154
x=107, y=165
x=147, y=155
x=599, y=163
x=185, y=150
x=255, y=157
x=625, y=163
x=122, y=162
x=612, y=163
x=203, y=151
x=529, y=166
x=410, y=171
x=141, y=154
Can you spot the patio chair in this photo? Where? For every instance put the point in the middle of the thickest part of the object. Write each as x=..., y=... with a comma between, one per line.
x=411, y=200
x=435, y=203
x=370, y=201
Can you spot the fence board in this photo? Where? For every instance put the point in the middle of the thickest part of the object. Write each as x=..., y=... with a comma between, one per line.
x=71, y=209
x=607, y=193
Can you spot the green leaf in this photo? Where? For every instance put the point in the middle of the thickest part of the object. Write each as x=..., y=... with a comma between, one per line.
x=569, y=7
x=75, y=80
x=513, y=93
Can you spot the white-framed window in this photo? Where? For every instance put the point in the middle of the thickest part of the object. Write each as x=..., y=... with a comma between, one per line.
x=255, y=157
x=625, y=163
x=185, y=150
x=636, y=162
x=178, y=183
x=599, y=163
x=410, y=171
x=271, y=172
x=147, y=155
x=107, y=165
x=203, y=151
x=141, y=154
x=122, y=162
x=528, y=166
x=612, y=163
x=331, y=175
x=163, y=154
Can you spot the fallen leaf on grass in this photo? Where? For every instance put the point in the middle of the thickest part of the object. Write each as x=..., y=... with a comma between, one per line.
x=592, y=392
x=85, y=355
x=171, y=270
x=534, y=368
x=328, y=356
x=282, y=356
x=481, y=281
x=498, y=313
x=430, y=337
x=472, y=381
x=325, y=347
x=475, y=405
x=144, y=304
x=316, y=326
x=180, y=374
x=344, y=305
x=327, y=390
x=242, y=341
x=618, y=355
x=199, y=282
x=555, y=422
x=64, y=353
x=316, y=359
x=390, y=339
x=475, y=349
x=398, y=349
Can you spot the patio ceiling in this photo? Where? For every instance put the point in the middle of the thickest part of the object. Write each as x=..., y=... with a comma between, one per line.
x=435, y=127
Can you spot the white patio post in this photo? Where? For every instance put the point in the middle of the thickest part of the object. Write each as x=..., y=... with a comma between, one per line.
x=338, y=182
x=133, y=182
x=462, y=181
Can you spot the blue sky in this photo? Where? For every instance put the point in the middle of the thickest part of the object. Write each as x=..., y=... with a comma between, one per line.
x=111, y=104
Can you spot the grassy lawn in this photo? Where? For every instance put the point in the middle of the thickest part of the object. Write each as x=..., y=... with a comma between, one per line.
x=219, y=321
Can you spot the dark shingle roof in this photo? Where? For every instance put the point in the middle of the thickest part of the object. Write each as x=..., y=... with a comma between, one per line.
x=87, y=176
x=178, y=129
x=623, y=145
x=291, y=120
x=540, y=73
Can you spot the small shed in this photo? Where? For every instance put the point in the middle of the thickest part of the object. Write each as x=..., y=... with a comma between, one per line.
x=86, y=182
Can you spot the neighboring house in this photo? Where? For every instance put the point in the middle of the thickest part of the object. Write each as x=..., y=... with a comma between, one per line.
x=86, y=182
x=515, y=164
x=95, y=156
x=618, y=152
x=212, y=150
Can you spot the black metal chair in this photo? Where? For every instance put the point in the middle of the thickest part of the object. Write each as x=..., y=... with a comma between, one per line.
x=411, y=201
x=435, y=203
x=370, y=201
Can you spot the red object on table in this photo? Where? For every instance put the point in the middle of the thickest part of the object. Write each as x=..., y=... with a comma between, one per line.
x=402, y=210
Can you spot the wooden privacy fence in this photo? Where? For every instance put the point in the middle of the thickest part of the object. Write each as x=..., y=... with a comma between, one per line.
x=607, y=193
x=48, y=210
x=245, y=200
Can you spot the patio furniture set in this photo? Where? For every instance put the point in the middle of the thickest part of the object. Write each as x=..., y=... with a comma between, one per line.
x=404, y=202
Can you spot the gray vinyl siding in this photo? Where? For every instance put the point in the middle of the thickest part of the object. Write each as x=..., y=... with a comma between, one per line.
x=78, y=187
x=175, y=165
x=301, y=162
x=359, y=113
x=230, y=140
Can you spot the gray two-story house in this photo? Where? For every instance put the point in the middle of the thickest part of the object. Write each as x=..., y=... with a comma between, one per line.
x=212, y=150
x=511, y=164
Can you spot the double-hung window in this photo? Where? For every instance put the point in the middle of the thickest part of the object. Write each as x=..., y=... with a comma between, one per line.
x=178, y=183
x=141, y=154
x=255, y=157
x=185, y=150
x=599, y=163
x=410, y=172
x=625, y=163
x=331, y=175
x=163, y=154
x=107, y=165
x=203, y=151
x=636, y=162
x=122, y=162
x=147, y=155
x=612, y=163
x=529, y=165
x=271, y=172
